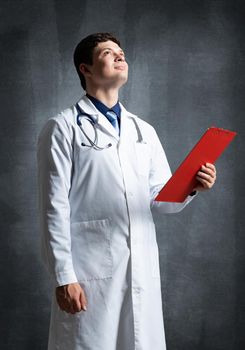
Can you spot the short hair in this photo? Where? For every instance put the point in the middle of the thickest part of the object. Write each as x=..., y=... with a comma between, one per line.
x=84, y=51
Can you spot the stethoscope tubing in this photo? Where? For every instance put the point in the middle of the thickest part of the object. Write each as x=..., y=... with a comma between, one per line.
x=93, y=121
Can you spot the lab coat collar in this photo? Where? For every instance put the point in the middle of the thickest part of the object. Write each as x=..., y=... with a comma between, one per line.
x=88, y=107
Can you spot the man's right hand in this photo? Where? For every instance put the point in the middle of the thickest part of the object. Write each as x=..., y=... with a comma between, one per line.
x=71, y=298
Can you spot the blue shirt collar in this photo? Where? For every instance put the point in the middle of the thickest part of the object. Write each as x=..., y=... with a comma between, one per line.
x=103, y=108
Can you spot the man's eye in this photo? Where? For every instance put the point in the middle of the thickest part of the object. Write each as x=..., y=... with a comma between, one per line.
x=106, y=52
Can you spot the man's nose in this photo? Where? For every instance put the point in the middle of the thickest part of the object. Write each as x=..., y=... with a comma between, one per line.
x=119, y=57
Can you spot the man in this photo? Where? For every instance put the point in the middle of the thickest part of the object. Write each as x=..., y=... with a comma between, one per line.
x=100, y=168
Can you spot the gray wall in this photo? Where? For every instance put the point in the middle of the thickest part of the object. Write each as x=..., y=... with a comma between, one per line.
x=187, y=67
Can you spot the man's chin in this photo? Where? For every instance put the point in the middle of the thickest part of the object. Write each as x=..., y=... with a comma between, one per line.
x=118, y=81
x=123, y=78
x=115, y=80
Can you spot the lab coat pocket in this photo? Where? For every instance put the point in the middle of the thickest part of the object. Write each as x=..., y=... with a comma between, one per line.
x=91, y=249
x=143, y=158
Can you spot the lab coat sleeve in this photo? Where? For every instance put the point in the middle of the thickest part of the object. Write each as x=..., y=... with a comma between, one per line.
x=54, y=159
x=159, y=174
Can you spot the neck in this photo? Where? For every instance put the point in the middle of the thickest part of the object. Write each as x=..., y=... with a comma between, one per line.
x=109, y=97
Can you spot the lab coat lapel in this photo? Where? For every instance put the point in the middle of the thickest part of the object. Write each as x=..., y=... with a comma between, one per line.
x=103, y=123
x=127, y=128
x=107, y=126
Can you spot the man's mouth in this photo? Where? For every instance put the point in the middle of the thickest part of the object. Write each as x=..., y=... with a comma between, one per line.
x=120, y=67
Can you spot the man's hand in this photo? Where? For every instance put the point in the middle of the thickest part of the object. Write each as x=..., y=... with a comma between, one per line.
x=71, y=298
x=206, y=176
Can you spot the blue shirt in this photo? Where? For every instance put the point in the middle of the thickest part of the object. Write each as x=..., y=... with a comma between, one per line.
x=104, y=109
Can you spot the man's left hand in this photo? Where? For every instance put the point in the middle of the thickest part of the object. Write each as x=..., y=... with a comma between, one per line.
x=206, y=177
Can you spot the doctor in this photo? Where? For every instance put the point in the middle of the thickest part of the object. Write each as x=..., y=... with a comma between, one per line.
x=99, y=173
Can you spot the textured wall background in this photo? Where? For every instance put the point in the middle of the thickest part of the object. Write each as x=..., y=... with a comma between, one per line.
x=187, y=66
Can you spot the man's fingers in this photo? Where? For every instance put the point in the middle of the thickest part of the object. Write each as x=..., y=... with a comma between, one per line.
x=71, y=298
x=207, y=173
x=210, y=166
x=204, y=176
x=76, y=305
x=209, y=169
x=205, y=183
x=83, y=300
x=72, y=307
x=63, y=304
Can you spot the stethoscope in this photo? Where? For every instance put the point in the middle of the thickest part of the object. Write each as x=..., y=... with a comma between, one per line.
x=93, y=120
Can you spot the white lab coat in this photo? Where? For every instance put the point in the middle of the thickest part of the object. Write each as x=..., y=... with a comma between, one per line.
x=97, y=229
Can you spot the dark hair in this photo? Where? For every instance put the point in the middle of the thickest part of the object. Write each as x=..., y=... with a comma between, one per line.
x=84, y=51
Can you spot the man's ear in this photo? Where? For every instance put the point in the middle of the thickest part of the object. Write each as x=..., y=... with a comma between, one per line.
x=84, y=69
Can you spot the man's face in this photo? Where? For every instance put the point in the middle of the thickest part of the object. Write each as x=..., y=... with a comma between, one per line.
x=109, y=68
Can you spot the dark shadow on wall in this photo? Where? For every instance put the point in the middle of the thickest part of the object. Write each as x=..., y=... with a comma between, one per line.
x=24, y=307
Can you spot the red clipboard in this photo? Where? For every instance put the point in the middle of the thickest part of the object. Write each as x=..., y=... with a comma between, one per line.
x=207, y=150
